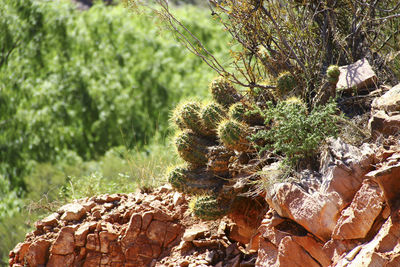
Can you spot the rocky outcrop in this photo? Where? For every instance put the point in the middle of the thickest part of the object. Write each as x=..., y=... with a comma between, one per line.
x=141, y=229
x=109, y=230
x=357, y=202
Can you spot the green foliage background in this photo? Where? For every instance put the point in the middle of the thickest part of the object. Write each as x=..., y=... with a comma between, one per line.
x=76, y=84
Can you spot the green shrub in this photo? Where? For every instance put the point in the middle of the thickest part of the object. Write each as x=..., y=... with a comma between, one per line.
x=294, y=132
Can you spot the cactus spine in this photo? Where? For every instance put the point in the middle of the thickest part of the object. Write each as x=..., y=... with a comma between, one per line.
x=207, y=207
x=212, y=114
x=223, y=92
x=233, y=135
x=191, y=148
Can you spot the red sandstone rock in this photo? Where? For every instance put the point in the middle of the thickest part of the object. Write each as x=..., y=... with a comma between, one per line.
x=195, y=231
x=356, y=75
x=316, y=212
x=38, y=252
x=72, y=212
x=65, y=243
x=383, y=124
x=387, y=176
x=133, y=230
x=356, y=220
x=60, y=260
x=389, y=102
x=156, y=231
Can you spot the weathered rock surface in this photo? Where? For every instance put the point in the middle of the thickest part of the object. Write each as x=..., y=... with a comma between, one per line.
x=139, y=229
x=387, y=176
x=383, y=124
x=385, y=114
x=357, y=75
x=389, y=102
x=357, y=219
x=345, y=215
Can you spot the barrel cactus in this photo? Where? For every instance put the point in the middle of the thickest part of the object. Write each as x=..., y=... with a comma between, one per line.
x=207, y=207
x=191, y=148
x=333, y=74
x=177, y=177
x=191, y=180
x=285, y=83
x=212, y=114
x=233, y=135
x=187, y=116
x=223, y=92
x=218, y=160
x=238, y=112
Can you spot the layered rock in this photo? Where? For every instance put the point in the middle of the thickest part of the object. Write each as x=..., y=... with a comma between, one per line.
x=361, y=210
x=141, y=229
x=344, y=215
x=385, y=118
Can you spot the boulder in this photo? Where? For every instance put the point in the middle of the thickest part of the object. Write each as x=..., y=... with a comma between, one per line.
x=357, y=219
x=343, y=168
x=382, y=250
x=316, y=212
x=389, y=102
x=65, y=242
x=38, y=252
x=356, y=76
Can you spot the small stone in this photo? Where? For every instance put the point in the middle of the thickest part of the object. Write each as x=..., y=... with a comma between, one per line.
x=194, y=232
x=357, y=75
x=51, y=220
x=72, y=212
x=178, y=199
x=184, y=263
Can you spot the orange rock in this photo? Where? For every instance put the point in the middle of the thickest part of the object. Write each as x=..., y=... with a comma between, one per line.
x=38, y=252
x=93, y=242
x=60, y=260
x=356, y=220
x=156, y=231
x=65, y=242
x=133, y=230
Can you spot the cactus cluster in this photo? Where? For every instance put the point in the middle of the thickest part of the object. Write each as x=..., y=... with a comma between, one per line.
x=233, y=135
x=191, y=148
x=209, y=136
x=212, y=114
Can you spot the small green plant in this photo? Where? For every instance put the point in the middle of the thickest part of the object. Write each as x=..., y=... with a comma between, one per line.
x=207, y=207
x=233, y=135
x=285, y=83
x=294, y=131
x=333, y=73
